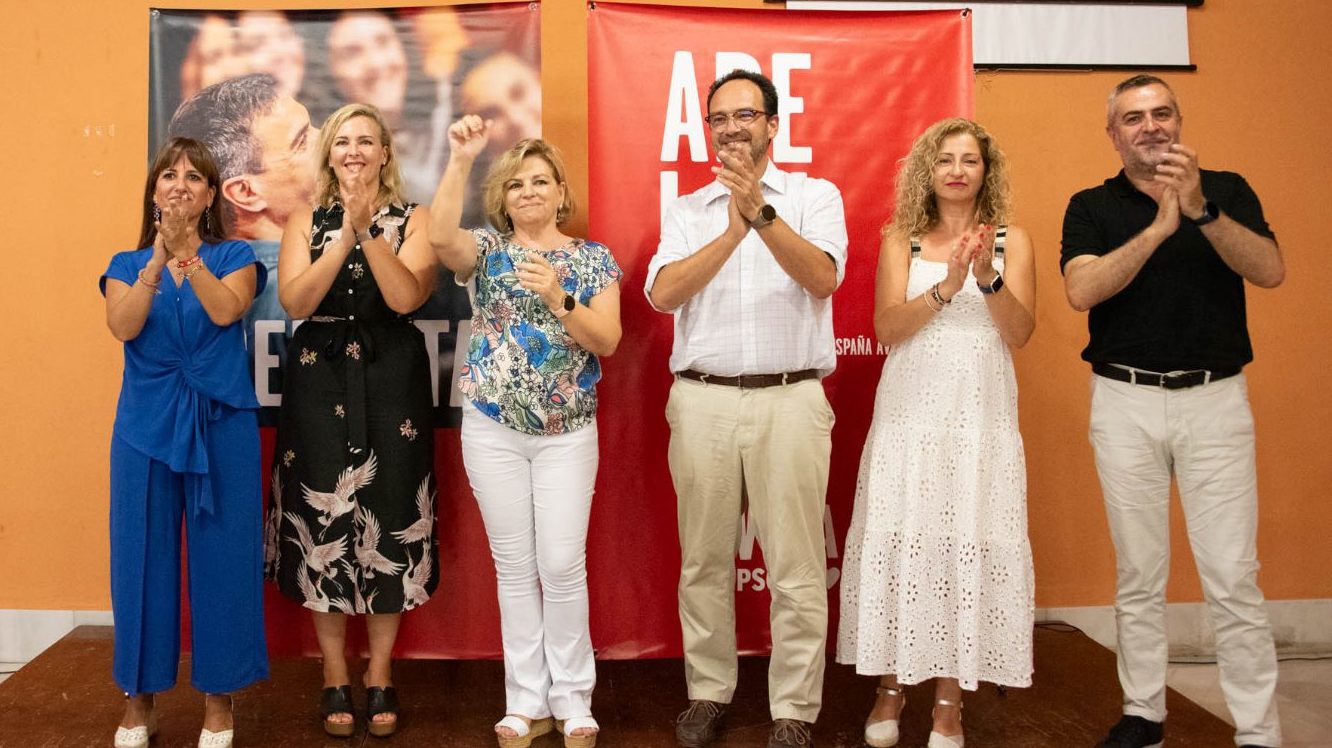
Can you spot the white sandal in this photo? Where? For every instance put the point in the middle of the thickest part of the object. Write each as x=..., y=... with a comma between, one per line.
x=946, y=741
x=138, y=737
x=586, y=740
x=524, y=730
x=221, y=738
x=883, y=734
x=210, y=739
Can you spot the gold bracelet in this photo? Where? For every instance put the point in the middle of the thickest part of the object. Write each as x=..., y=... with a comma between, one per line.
x=933, y=308
x=192, y=271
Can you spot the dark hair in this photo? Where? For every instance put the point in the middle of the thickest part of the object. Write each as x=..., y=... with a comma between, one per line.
x=1141, y=80
x=222, y=116
x=327, y=97
x=212, y=225
x=759, y=79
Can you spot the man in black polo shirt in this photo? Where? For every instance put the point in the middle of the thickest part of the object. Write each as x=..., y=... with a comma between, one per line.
x=1159, y=255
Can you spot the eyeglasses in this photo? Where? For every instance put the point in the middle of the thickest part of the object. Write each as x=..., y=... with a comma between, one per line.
x=742, y=117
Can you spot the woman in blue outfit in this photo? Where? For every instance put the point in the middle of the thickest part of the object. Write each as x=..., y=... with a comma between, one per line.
x=185, y=446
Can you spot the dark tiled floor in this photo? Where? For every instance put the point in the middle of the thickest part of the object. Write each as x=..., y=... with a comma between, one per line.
x=65, y=697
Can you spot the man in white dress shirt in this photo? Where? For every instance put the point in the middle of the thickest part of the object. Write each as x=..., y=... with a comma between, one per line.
x=748, y=265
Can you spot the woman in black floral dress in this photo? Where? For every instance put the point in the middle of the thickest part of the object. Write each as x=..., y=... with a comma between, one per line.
x=351, y=530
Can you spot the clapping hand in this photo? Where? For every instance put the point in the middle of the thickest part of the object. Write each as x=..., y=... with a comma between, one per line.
x=960, y=259
x=1167, y=210
x=469, y=136
x=737, y=174
x=159, y=256
x=1178, y=171
x=537, y=275
x=357, y=204
x=177, y=230
x=982, y=262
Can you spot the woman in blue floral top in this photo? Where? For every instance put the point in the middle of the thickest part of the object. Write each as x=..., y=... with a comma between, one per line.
x=544, y=306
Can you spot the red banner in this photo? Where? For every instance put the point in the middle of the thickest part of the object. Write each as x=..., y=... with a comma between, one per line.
x=856, y=89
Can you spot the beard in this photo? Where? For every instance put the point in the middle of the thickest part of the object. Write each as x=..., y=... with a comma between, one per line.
x=1152, y=154
x=746, y=141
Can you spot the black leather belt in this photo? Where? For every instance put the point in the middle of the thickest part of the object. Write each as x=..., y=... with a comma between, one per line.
x=1171, y=380
x=751, y=381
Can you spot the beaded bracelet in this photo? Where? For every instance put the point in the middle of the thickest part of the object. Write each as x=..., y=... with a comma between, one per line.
x=182, y=264
x=191, y=273
x=938, y=297
x=153, y=286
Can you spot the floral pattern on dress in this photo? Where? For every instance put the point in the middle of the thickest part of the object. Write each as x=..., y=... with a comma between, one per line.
x=523, y=369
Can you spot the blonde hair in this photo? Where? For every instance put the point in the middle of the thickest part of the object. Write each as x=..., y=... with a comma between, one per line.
x=390, y=180
x=916, y=211
x=507, y=165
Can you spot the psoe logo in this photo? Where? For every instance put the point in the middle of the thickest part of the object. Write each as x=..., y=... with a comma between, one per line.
x=755, y=579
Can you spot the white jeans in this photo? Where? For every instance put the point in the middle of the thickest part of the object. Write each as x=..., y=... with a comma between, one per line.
x=1204, y=435
x=535, y=494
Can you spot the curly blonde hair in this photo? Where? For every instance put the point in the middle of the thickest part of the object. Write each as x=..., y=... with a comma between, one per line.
x=390, y=180
x=508, y=164
x=916, y=211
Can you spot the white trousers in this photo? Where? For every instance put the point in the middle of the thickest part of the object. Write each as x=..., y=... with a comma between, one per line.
x=1204, y=436
x=535, y=494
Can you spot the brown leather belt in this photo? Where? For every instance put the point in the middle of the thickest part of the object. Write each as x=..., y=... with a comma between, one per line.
x=751, y=381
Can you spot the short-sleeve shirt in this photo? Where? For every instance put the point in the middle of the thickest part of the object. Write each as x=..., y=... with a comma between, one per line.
x=1185, y=308
x=523, y=369
x=182, y=367
x=753, y=317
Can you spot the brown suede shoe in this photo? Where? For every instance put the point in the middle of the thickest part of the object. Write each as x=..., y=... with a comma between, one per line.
x=791, y=733
x=699, y=724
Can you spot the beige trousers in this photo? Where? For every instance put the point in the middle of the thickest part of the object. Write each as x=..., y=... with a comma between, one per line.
x=1204, y=437
x=772, y=444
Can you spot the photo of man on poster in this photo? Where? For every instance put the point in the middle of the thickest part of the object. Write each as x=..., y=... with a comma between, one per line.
x=254, y=86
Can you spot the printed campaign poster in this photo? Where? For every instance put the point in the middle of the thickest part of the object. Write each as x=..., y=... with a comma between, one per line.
x=255, y=85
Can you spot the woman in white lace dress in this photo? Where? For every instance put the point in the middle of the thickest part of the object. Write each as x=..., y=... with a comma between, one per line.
x=938, y=578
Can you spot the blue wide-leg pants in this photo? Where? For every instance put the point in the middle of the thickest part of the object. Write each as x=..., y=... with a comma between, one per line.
x=225, y=561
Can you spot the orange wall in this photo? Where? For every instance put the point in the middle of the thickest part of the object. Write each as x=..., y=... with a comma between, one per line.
x=1258, y=104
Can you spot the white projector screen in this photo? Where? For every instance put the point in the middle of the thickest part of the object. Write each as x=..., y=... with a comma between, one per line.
x=1058, y=35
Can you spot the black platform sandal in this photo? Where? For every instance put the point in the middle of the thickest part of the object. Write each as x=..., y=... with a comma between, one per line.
x=381, y=701
x=337, y=700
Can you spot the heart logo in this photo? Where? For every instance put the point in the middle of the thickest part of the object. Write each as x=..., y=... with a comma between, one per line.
x=832, y=576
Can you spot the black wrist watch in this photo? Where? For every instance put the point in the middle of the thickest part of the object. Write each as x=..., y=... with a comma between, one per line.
x=994, y=286
x=566, y=306
x=1210, y=213
x=766, y=215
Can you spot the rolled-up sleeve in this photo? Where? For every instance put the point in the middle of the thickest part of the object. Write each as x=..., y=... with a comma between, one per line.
x=824, y=223
x=673, y=246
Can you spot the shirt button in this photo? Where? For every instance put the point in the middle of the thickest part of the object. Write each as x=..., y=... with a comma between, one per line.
x=350, y=266
x=352, y=317
x=349, y=291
